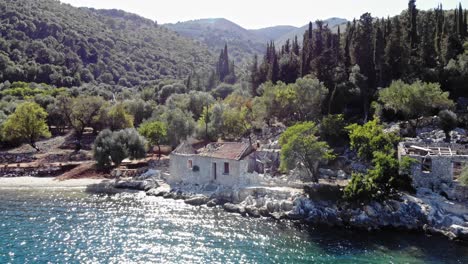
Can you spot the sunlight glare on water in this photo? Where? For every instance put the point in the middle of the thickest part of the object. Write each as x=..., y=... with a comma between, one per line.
x=75, y=227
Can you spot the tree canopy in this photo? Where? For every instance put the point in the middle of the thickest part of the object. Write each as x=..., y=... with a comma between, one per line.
x=300, y=148
x=111, y=148
x=27, y=124
x=155, y=132
x=415, y=100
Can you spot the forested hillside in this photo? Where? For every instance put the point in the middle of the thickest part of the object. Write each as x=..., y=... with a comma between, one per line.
x=273, y=33
x=44, y=41
x=332, y=87
x=332, y=23
x=370, y=54
x=217, y=32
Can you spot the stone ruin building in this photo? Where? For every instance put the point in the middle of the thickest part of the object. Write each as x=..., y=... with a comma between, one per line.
x=438, y=167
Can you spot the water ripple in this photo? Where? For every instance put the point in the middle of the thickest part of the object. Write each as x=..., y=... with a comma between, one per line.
x=43, y=226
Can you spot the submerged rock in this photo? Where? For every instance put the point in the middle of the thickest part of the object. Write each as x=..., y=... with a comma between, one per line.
x=197, y=200
x=232, y=208
x=212, y=203
x=252, y=211
x=145, y=185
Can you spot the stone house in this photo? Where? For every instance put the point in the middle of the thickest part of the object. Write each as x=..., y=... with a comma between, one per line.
x=438, y=166
x=227, y=164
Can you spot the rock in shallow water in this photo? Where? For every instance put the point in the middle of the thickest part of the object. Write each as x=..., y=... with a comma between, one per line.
x=232, y=208
x=252, y=211
x=145, y=185
x=197, y=200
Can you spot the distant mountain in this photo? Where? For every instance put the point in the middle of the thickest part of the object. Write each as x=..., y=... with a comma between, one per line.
x=273, y=33
x=333, y=24
x=45, y=41
x=215, y=32
x=243, y=43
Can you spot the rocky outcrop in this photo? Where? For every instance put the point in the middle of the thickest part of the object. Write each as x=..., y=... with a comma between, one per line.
x=430, y=212
x=141, y=185
x=322, y=205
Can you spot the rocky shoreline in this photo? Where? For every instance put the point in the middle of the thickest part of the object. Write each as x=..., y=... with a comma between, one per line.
x=424, y=212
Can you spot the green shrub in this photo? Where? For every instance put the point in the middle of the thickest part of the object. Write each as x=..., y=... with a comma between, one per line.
x=464, y=176
x=448, y=122
x=300, y=145
x=332, y=128
x=370, y=137
x=113, y=147
x=387, y=175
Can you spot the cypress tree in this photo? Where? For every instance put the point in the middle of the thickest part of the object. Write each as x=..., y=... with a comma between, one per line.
x=427, y=47
x=440, y=22
x=364, y=57
x=350, y=28
x=379, y=53
x=296, y=48
x=412, y=35
x=222, y=67
x=254, y=76
x=394, y=51
x=310, y=30
x=274, y=75
x=465, y=24
x=460, y=22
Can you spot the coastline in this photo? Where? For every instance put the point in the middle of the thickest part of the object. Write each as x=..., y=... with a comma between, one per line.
x=46, y=182
x=427, y=212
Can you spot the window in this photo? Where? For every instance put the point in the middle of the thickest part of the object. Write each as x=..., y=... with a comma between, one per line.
x=189, y=164
x=226, y=167
x=426, y=165
x=457, y=169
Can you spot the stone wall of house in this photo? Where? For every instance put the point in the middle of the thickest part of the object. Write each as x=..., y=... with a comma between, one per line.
x=441, y=172
x=180, y=171
x=461, y=193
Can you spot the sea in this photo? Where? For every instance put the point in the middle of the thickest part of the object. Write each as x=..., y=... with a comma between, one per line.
x=73, y=226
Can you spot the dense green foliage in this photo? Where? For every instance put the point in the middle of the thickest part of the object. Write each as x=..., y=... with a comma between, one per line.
x=118, y=118
x=288, y=103
x=416, y=45
x=155, y=132
x=332, y=129
x=27, y=124
x=415, y=100
x=300, y=148
x=448, y=122
x=107, y=70
x=387, y=175
x=113, y=147
x=45, y=41
x=369, y=138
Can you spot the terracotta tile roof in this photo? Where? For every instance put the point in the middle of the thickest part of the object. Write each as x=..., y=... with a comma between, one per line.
x=185, y=148
x=226, y=150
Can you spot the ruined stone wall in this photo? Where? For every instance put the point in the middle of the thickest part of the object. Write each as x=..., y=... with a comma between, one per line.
x=441, y=172
x=461, y=193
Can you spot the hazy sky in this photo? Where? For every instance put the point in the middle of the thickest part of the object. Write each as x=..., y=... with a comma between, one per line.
x=254, y=14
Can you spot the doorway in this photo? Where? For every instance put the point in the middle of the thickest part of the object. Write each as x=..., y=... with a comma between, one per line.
x=214, y=170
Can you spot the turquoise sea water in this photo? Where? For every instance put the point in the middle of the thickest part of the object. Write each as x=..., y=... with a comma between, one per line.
x=57, y=226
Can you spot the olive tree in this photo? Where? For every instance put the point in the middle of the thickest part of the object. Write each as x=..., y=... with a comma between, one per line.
x=27, y=124
x=155, y=132
x=414, y=100
x=448, y=122
x=300, y=147
x=113, y=147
